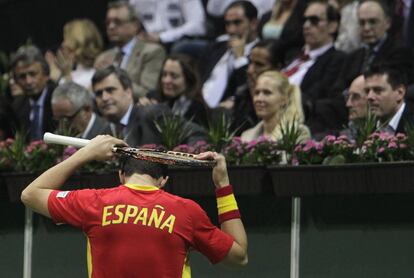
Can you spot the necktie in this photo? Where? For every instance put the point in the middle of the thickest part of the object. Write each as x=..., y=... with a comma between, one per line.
x=368, y=58
x=119, y=56
x=35, y=124
x=120, y=128
x=301, y=60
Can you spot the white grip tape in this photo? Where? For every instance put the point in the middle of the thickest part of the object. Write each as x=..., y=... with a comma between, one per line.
x=65, y=140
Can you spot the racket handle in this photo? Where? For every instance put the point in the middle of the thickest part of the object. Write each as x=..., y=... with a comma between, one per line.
x=64, y=140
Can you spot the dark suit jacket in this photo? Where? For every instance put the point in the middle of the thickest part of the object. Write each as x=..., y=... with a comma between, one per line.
x=141, y=129
x=317, y=92
x=100, y=126
x=407, y=118
x=392, y=53
x=211, y=57
x=21, y=108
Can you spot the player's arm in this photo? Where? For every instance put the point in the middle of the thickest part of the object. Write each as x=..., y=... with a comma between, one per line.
x=229, y=217
x=36, y=194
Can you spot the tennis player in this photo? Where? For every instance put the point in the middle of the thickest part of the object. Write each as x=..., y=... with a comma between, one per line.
x=137, y=229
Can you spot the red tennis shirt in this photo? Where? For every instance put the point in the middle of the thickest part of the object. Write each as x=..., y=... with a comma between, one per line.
x=139, y=231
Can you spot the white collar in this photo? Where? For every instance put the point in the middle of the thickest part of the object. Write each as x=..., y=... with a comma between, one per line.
x=125, y=118
x=397, y=117
x=315, y=53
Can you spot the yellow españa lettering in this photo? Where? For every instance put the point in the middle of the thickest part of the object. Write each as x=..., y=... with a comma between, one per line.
x=130, y=214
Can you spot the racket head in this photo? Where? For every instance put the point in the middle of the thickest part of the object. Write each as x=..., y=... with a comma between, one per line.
x=164, y=157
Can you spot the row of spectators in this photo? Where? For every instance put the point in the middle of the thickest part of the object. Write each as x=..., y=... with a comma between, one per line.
x=277, y=63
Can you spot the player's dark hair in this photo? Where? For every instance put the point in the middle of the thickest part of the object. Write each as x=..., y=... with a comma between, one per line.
x=130, y=166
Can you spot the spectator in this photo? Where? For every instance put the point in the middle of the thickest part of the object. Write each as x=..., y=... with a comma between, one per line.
x=386, y=90
x=316, y=70
x=141, y=60
x=378, y=46
x=73, y=103
x=265, y=55
x=33, y=108
x=277, y=104
x=179, y=88
x=168, y=21
x=81, y=44
x=357, y=104
x=113, y=95
x=224, y=64
x=284, y=22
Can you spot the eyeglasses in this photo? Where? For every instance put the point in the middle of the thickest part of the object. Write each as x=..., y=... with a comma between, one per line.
x=116, y=21
x=236, y=22
x=370, y=22
x=70, y=118
x=109, y=90
x=313, y=19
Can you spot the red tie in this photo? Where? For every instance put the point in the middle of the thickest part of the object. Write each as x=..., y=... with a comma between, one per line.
x=302, y=59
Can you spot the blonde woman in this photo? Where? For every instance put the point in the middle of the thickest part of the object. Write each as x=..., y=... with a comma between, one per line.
x=82, y=42
x=277, y=103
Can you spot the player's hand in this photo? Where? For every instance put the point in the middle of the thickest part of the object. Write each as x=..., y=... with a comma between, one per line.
x=100, y=147
x=220, y=175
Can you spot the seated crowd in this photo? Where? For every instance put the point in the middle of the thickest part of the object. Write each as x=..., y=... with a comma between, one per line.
x=323, y=65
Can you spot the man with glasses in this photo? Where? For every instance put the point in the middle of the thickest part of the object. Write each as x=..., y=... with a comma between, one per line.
x=141, y=60
x=357, y=104
x=316, y=69
x=224, y=63
x=378, y=46
x=32, y=109
x=72, y=106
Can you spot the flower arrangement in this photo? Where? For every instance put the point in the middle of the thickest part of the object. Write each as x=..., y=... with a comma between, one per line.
x=261, y=151
x=381, y=147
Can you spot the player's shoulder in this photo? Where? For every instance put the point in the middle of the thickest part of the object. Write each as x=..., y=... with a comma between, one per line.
x=187, y=204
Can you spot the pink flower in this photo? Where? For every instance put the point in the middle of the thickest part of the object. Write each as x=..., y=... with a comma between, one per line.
x=381, y=150
x=392, y=145
x=330, y=138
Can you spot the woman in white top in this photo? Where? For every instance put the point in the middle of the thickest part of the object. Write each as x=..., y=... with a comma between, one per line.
x=74, y=60
x=277, y=103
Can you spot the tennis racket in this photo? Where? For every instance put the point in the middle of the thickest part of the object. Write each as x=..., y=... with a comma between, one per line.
x=153, y=155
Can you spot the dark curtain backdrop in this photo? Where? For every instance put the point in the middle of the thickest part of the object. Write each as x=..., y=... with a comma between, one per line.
x=42, y=21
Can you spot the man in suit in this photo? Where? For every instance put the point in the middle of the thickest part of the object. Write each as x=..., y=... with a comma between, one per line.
x=224, y=63
x=379, y=47
x=114, y=98
x=141, y=60
x=73, y=104
x=32, y=109
x=316, y=69
x=385, y=88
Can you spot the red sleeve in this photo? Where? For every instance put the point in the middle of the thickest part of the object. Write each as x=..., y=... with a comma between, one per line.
x=207, y=238
x=68, y=207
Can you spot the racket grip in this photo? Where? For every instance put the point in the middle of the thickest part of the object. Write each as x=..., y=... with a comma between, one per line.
x=51, y=138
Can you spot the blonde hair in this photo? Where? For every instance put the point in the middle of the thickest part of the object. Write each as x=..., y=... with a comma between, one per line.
x=84, y=37
x=278, y=9
x=293, y=111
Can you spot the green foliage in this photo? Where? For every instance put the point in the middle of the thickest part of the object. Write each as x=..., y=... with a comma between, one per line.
x=365, y=128
x=290, y=136
x=174, y=130
x=219, y=132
